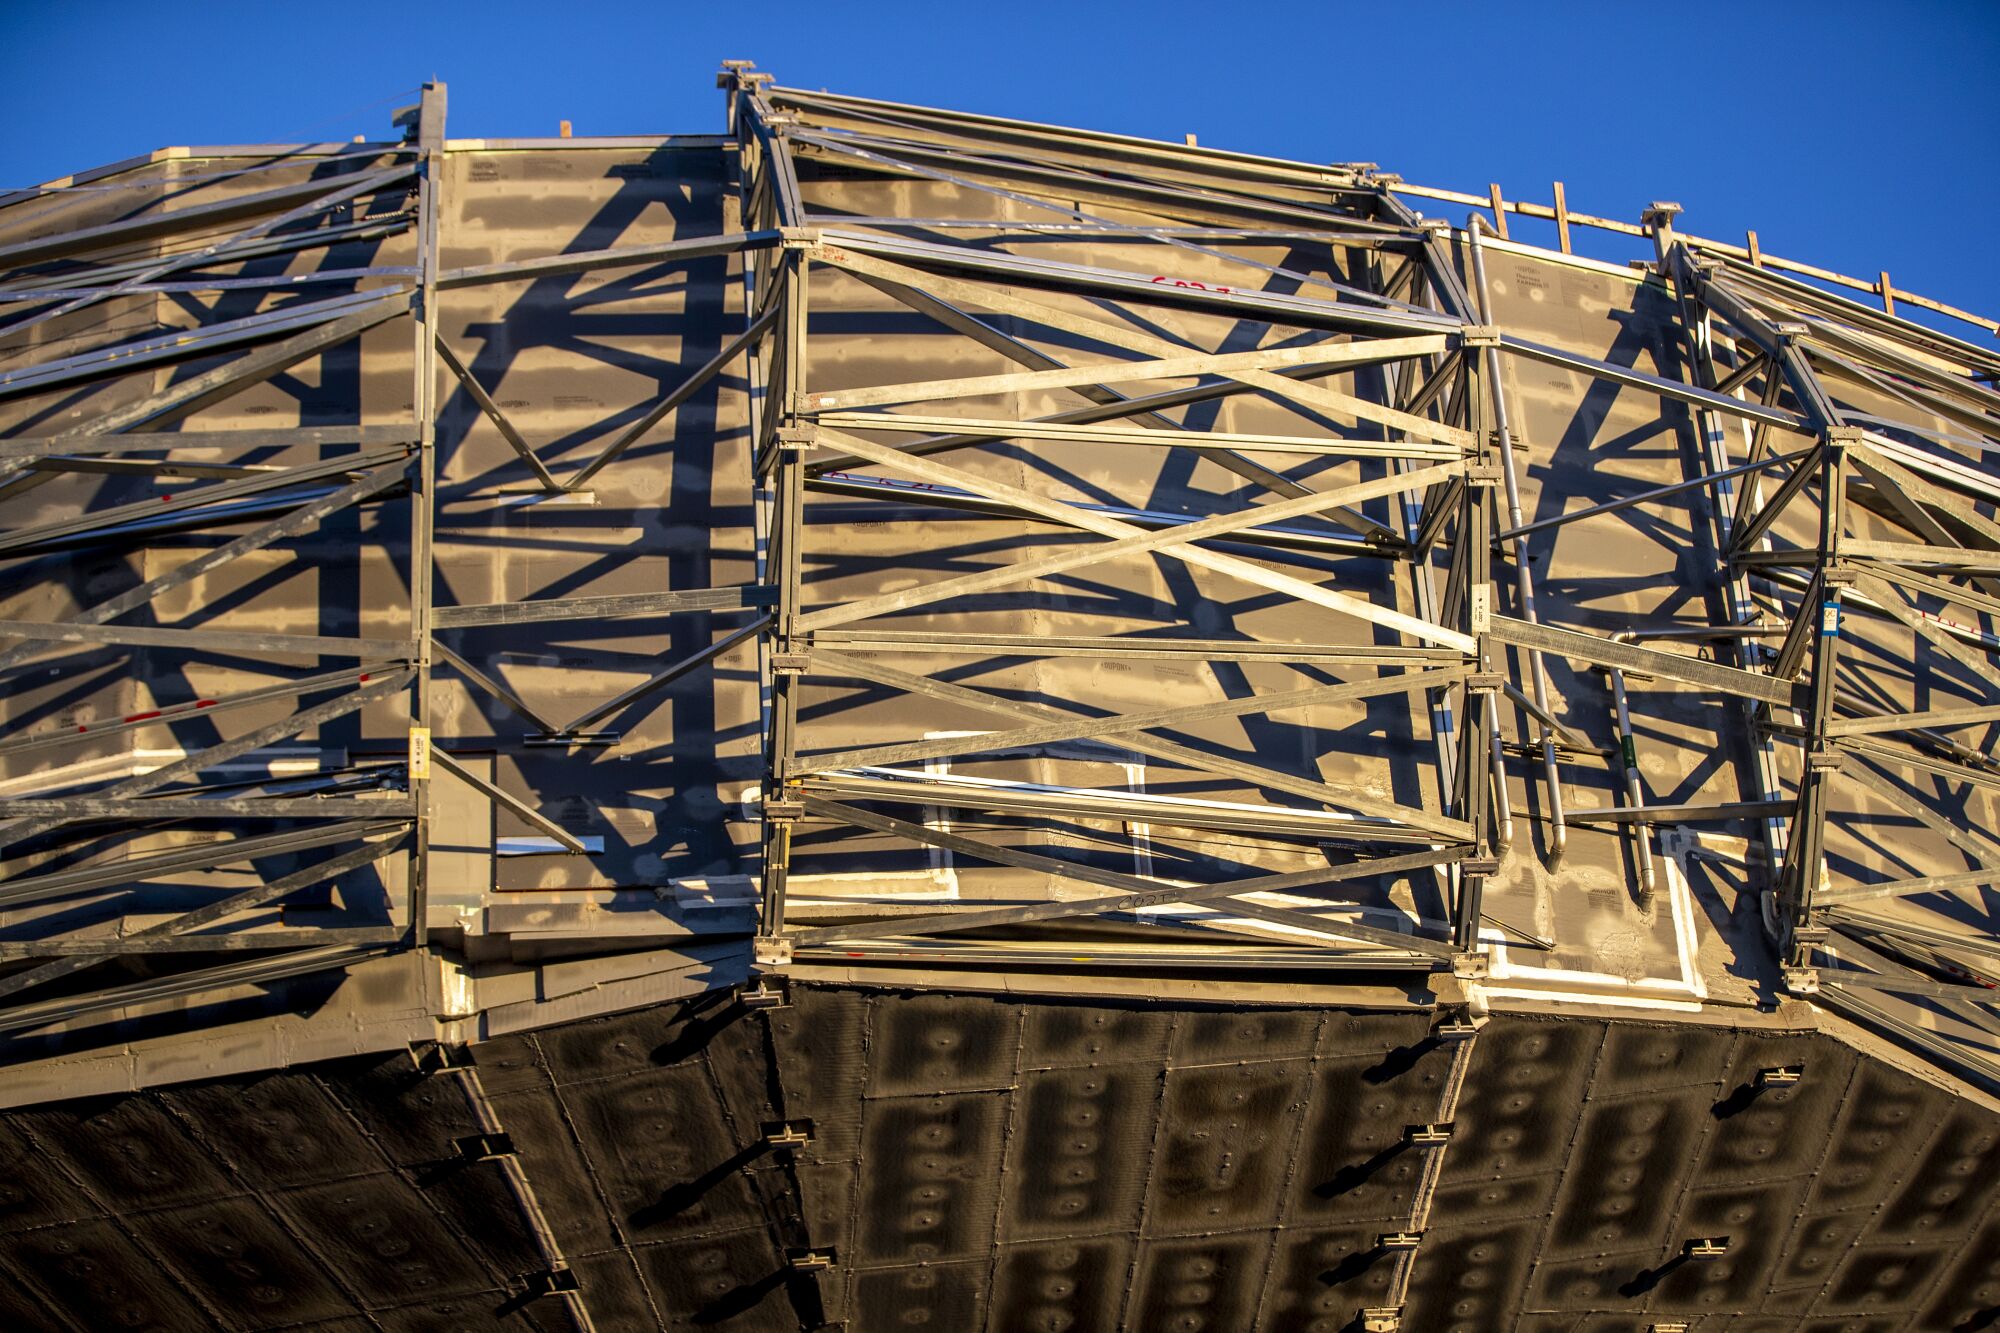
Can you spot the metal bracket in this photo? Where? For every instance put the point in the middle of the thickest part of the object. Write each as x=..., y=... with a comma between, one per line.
x=779, y=811
x=1799, y=980
x=1480, y=335
x=772, y=950
x=1382, y=1319
x=765, y=995
x=1479, y=608
x=551, y=1281
x=437, y=1057
x=1706, y=1247
x=791, y=664
x=1399, y=1240
x=1469, y=966
x=809, y=1261
x=572, y=740
x=1486, y=682
x=797, y=439
x=788, y=1133
x=1426, y=1136
x=485, y=1147
x=1783, y=1076
x=1480, y=865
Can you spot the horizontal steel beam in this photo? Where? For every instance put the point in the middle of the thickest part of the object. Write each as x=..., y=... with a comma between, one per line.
x=584, y=261
x=735, y=598
x=1600, y=651
x=230, y=976
x=973, y=918
x=149, y=226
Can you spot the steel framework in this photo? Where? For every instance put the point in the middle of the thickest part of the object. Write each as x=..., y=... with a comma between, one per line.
x=1835, y=507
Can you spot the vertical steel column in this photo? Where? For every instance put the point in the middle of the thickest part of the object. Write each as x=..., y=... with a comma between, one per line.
x=784, y=463
x=1473, y=745
x=1410, y=512
x=1475, y=610
x=754, y=269
x=1469, y=591
x=780, y=440
x=1819, y=614
x=1821, y=760
x=1732, y=584
x=430, y=159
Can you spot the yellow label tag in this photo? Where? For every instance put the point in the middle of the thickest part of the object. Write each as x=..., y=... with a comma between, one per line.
x=420, y=752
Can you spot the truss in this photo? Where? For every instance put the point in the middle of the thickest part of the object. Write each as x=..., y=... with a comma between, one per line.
x=1360, y=535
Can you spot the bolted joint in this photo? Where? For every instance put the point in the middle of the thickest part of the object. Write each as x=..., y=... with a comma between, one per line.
x=1481, y=476
x=798, y=439
x=772, y=950
x=1825, y=760
x=1782, y=1076
x=1480, y=335
x=1399, y=1240
x=791, y=664
x=798, y=238
x=1660, y=213
x=1799, y=980
x=1434, y=226
x=1469, y=966
x=778, y=810
x=1702, y=1248
x=1382, y=1319
x=1840, y=576
x=1426, y=1136
x=809, y=1261
x=1843, y=436
x=1480, y=865
x=1486, y=682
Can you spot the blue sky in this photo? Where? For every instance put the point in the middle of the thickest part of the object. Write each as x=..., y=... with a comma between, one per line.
x=1858, y=137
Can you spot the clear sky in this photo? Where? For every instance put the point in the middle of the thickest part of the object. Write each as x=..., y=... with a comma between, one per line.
x=1855, y=136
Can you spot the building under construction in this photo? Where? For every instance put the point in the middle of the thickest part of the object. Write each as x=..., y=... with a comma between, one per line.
x=890, y=718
